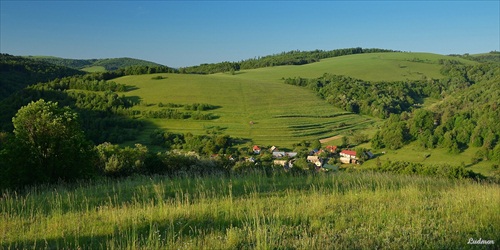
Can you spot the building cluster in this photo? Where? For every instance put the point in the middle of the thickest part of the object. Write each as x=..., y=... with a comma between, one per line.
x=318, y=157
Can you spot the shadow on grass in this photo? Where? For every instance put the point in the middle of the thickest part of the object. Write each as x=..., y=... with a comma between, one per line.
x=153, y=233
x=129, y=88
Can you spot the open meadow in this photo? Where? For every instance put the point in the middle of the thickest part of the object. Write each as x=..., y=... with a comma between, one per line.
x=256, y=105
x=267, y=112
x=256, y=211
x=396, y=66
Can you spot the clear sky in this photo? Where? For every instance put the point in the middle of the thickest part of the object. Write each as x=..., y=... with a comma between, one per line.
x=186, y=33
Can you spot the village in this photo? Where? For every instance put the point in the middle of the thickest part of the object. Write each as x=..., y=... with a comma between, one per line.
x=327, y=159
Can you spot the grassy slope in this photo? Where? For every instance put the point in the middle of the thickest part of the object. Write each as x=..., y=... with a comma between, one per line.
x=241, y=101
x=341, y=211
x=259, y=95
x=94, y=69
x=370, y=67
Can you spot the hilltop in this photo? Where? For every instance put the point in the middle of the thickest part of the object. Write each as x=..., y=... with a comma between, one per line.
x=392, y=66
x=95, y=65
x=18, y=72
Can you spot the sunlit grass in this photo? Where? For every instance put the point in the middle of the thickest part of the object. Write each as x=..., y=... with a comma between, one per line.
x=346, y=210
x=369, y=67
x=274, y=108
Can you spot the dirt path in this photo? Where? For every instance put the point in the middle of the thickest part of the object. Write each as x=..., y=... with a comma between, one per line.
x=330, y=139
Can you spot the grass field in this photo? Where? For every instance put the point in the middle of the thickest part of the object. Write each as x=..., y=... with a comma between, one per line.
x=94, y=69
x=341, y=211
x=369, y=67
x=414, y=153
x=281, y=114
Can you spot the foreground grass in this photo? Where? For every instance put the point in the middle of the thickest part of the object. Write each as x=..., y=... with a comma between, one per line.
x=346, y=210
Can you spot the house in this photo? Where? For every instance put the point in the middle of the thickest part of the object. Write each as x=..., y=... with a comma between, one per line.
x=318, y=151
x=280, y=162
x=291, y=154
x=348, y=156
x=315, y=160
x=284, y=163
x=313, y=152
x=273, y=148
x=256, y=149
x=279, y=154
x=331, y=149
x=250, y=159
x=369, y=154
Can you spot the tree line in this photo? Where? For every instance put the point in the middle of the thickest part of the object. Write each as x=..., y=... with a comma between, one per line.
x=381, y=99
x=106, y=115
x=294, y=57
x=18, y=72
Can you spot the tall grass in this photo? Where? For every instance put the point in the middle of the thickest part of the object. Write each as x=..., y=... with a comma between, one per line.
x=255, y=211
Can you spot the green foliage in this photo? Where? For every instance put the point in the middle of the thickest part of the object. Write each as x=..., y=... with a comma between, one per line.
x=116, y=161
x=48, y=146
x=357, y=96
x=166, y=139
x=294, y=57
x=18, y=72
x=105, y=116
x=436, y=170
x=109, y=64
x=462, y=120
x=359, y=138
x=316, y=144
x=493, y=56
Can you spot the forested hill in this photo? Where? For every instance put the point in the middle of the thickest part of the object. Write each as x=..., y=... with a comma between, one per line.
x=295, y=57
x=108, y=64
x=18, y=72
x=493, y=57
x=467, y=117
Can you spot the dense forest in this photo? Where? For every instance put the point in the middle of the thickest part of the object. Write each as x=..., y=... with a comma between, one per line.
x=381, y=99
x=294, y=57
x=109, y=64
x=493, y=56
x=469, y=118
x=18, y=72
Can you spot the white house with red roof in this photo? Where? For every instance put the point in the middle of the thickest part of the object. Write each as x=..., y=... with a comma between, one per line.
x=256, y=149
x=348, y=156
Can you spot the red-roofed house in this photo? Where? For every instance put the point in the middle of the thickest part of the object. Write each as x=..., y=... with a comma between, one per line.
x=256, y=149
x=331, y=149
x=348, y=156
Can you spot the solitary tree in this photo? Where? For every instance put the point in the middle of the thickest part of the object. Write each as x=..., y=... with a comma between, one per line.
x=49, y=145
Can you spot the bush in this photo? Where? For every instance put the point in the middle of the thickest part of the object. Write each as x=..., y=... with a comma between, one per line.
x=48, y=146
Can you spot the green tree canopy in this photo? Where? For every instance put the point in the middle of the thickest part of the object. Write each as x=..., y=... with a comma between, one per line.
x=49, y=145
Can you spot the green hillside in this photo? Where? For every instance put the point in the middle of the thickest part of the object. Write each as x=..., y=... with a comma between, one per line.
x=95, y=65
x=396, y=66
x=18, y=72
x=280, y=114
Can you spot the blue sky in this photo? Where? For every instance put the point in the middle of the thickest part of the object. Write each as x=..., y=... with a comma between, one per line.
x=185, y=33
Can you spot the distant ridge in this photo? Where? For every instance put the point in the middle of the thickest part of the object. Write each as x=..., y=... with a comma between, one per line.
x=18, y=72
x=106, y=64
x=294, y=57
